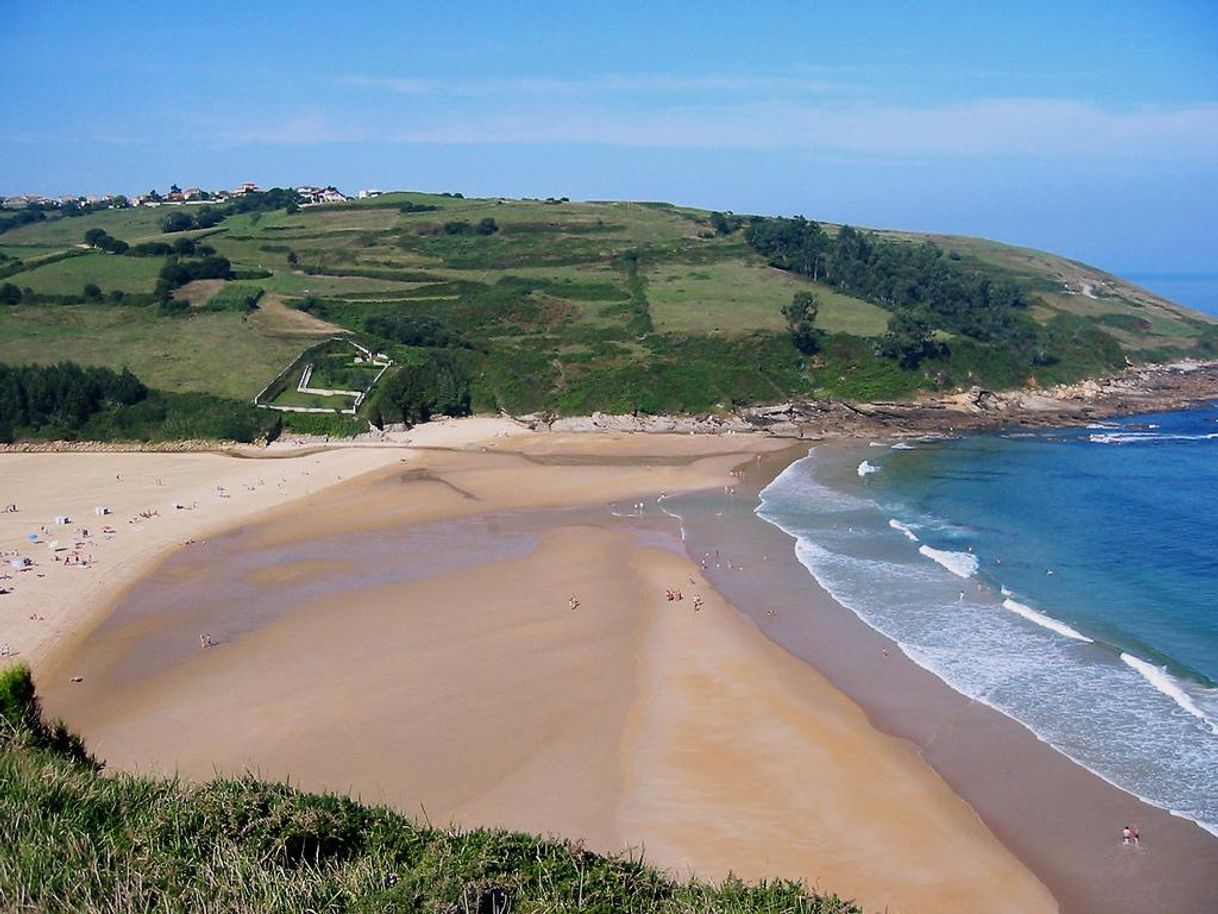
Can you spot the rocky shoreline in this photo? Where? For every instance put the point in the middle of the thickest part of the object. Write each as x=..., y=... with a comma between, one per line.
x=1136, y=390
x=1147, y=389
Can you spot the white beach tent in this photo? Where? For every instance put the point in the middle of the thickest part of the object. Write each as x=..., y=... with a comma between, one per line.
x=62, y=519
x=101, y=510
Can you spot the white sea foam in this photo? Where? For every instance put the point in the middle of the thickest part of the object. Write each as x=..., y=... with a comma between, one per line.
x=1137, y=437
x=903, y=446
x=876, y=444
x=1167, y=684
x=866, y=468
x=904, y=528
x=961, y=564
x=1125, y=733
x=797, y=484
x=1041, y=619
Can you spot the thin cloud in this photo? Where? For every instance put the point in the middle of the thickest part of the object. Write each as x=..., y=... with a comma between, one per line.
x=1042, y=129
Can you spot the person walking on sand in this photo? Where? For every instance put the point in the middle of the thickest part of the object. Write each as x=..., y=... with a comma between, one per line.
x=1127, y=835
x=1137, y=837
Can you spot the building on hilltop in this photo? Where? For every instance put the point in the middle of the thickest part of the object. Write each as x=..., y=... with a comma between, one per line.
x=365, y=194
x=315, y=195
x=249, y=187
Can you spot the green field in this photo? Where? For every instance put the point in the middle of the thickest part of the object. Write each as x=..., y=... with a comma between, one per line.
x=214, y=352
x=109, y=272
x=135, y=224
x=738, y=297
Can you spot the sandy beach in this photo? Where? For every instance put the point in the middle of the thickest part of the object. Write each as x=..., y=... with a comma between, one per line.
x=405, y=633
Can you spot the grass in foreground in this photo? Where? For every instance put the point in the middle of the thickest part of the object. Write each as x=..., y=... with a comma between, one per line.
x=74, y=840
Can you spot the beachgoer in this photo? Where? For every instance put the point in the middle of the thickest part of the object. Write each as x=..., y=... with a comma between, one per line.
x=1137, y=836
x=1126, y=835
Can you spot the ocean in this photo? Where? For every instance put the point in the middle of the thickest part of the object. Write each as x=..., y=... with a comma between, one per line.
x=1067, y=578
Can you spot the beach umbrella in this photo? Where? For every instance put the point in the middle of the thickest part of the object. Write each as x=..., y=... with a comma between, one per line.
x=32, y=537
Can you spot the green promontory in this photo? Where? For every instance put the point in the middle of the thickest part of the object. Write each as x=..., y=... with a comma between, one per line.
x=569, y=307
x=75, y=840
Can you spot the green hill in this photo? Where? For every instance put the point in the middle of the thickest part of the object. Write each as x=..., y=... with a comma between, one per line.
x=73, y=840
x=572, y=307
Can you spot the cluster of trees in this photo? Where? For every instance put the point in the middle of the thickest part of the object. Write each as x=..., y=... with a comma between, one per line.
x=20, y=218
x=409, y=207
x=411, y=331
x=436, y=385
x=10, y=294
x=178, y=273
x=926, y=290
x=182, y=221
x=64, y=396
x=72, y=401
x=725, y=223
x=207, y=216
x=487, y=226
x=102, y=240
x=181, y=247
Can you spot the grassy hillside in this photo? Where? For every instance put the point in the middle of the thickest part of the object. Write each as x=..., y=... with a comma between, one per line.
x=554, y=305
x=73, y=840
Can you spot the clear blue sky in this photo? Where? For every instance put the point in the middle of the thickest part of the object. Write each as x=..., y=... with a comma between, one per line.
x=1089, y=128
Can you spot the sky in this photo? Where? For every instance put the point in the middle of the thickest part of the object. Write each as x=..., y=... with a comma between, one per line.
x=1086, y=128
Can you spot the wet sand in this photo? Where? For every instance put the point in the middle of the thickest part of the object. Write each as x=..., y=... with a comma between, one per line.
x=157, y=502
x=1061, y=819
x=413, y=643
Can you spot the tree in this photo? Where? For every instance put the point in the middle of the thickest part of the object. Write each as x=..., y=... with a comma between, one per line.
x=724, y=223
x=908, y=339
x=801, y=320
x=94, y=235
x=184, y=246
x=292, y=258
x=10, y=294
x=488, y=226
x=92, y=291
x=207, y=216
x=177, y=222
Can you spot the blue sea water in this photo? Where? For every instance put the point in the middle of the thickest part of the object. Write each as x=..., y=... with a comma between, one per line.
x=1068, y=578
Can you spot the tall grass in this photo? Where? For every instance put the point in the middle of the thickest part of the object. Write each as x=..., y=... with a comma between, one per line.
x=73, y=840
